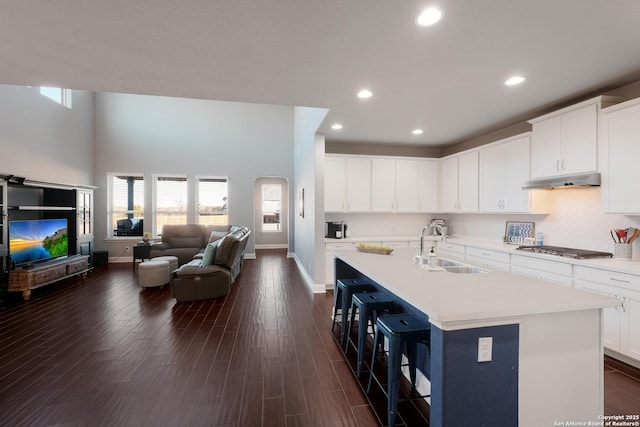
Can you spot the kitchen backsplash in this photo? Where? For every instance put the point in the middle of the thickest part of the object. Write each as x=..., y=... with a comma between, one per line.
x=576, y=220
x=380, y=224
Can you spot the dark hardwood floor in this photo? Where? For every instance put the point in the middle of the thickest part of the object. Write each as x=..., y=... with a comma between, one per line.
x=101, y=351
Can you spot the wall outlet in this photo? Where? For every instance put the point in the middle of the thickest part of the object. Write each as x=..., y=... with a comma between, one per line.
x=485, y=349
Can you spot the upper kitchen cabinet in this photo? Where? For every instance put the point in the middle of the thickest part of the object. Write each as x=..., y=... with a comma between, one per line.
x=566, y=141
x=504, y=168
x=459, y=183
x=347, y=181
x=428, y=185
x=383, y=185
x=619, y=151
x=404, y=185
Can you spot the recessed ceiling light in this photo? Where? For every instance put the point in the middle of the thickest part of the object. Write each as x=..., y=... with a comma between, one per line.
x=365, y=93
x=515, y=80
x=428, y=17
x=417, y=131
x=336, y=126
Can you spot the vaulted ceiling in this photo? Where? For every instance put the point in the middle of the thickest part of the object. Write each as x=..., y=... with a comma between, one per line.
x=446, y=79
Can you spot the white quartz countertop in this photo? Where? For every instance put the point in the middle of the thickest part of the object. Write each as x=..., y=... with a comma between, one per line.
x=452, y=298
x=622, y=266
x=363, y=239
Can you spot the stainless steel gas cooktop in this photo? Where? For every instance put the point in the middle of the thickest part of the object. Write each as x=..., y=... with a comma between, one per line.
x=565, y=252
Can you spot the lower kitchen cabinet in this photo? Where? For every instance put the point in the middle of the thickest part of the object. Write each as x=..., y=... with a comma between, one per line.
x=329, y=269
x=551, y=271
x=487, y=258
x=451, y=251
x=621, y=324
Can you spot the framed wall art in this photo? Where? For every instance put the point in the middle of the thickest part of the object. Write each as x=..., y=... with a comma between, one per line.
x=517, y=233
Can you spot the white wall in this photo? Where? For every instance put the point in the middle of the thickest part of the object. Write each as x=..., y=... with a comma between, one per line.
x=151, y=135
x=309, y=175
x=43, y=140
x=576, y=221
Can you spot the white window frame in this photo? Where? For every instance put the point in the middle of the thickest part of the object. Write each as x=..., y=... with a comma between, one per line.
x=200, y=178
x=263, y=212
x=111, y=213
x=155, y=179
x=58, y=94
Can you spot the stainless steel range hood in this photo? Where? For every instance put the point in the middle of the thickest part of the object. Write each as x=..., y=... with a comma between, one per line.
x=565, y=181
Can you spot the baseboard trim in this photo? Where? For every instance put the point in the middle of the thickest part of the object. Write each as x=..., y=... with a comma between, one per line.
x=272, y=246
x=248, y=255
x=316, y=288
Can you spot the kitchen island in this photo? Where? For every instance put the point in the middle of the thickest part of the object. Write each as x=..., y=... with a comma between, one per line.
x=547, y=357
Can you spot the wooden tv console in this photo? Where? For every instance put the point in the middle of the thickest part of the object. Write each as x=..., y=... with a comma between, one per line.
x=23, y=279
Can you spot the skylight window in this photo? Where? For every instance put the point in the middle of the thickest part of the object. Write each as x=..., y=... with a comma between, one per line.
x=60, y=95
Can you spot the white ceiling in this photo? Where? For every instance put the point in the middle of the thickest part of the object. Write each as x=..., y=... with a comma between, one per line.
x=446, y=79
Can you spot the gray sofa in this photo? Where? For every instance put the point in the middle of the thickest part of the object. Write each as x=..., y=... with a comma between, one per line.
x=187, y=240
x=210, y=273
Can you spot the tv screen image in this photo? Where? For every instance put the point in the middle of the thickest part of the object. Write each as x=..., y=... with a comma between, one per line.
x=38, y=240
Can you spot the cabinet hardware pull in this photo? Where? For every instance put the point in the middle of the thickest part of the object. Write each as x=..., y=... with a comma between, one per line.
x=620, y=280
x=557, y=165
x=485, y=253
x=562, y=164
x=624, y=299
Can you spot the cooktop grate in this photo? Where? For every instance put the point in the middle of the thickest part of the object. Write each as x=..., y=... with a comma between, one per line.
x=565, y=252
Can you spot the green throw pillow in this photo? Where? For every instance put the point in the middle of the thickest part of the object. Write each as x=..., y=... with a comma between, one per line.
x=210, y=253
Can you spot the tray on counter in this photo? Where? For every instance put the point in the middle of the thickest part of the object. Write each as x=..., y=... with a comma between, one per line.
x=374, y=250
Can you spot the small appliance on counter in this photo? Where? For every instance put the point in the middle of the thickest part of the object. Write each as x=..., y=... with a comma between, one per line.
x=439, y=227
x=336, y=230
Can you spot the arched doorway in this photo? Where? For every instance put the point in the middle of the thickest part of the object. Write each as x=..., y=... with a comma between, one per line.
x=271, y=223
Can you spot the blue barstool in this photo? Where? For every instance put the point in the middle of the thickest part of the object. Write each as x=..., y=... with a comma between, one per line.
x=342, y=293
x=369, y=306
x=402, y=331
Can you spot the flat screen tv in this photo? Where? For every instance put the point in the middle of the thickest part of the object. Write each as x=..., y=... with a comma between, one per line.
x=38, y=240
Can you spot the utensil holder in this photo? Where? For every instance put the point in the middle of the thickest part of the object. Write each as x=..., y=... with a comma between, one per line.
x=623, y=251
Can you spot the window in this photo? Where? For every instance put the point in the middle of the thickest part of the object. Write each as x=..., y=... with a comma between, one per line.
x=212, y=200
x=126, y=204
x=271, y=206
x=170, y=199
x=57, y=94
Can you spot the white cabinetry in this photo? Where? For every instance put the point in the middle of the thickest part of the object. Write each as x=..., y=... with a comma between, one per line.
x=551, y=271
x=459, y=183
x=622, y=323
x=406, y=195
x=335, y=184
x=488, y=258
x=451, y=251
x=504, y=168
x=330, y=268
x=383, y=185
x=566, y=141
x=403, y=185
x=347, y=184
x=427, y=185
x=619, y=153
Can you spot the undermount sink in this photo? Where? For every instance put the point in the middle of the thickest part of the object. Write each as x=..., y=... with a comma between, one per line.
x=457, y=267
x=464, y=269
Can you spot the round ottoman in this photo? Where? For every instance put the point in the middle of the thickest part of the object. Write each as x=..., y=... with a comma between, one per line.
x=173, y=261
x=153, y=273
